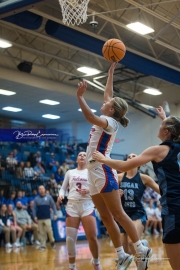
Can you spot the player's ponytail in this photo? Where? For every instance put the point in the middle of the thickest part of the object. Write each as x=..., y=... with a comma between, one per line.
x=173, y=125
x=124, y=121
x=120, y=108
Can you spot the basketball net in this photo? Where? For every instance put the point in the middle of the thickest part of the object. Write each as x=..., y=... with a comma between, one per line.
x=166, y=107
x=74, y=12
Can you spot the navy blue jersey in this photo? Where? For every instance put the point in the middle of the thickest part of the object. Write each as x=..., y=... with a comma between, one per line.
x=133, y=191
x=168, y=174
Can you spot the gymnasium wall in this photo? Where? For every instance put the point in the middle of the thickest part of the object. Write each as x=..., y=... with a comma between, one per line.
x=141, y=132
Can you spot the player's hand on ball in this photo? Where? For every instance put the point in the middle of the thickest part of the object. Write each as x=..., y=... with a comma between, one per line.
x=112, y=68
x=81, y=88
x=121, y=192
x=98, y=156
x=161, y=113
x=60, y=198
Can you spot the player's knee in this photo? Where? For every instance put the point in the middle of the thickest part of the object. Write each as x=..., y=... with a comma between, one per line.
x=119, y=217
x=106, y=218
x=92, y=238
x=71, y=236
x=71, y=247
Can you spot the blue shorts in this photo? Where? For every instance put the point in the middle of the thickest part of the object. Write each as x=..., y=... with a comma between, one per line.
x=171, y=228
x=134, y=216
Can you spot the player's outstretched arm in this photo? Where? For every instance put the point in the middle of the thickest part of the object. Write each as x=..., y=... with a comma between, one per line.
x=124, y=166
x=161, y=113
x=88, y=114
x=108, y=93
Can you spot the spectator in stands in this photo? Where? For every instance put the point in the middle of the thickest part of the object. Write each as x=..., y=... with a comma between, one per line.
x=20, y=171
x=64, y=167
x=11, y=200
x=39, y=170
x=12, y=218
x=70, y=162
x=2, y=198
x=16, y=156
x=52, y=161
x=25, y=222
x=2, y=166
x=11, y=163
x=54, y=191
x=59, y=176
x=70, y=150
x=41, y=210
x=38, y=159
x=151, y=221
x=63, y=148
x=31, y=159
x=6, y=229
x=75, y=147
x=20, y=199
x=55, y=167
x=52, y=180
x=33, y=196
x=25, y=199
x=147, y=195
x=29, y=172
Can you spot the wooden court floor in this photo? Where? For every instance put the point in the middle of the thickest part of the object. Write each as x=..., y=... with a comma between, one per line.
x=30, y=258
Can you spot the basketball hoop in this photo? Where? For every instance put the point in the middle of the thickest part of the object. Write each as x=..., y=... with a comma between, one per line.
x=166, y=108
x=74, y=11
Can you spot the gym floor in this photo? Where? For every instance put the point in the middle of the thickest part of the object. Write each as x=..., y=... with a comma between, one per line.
x=30, y=258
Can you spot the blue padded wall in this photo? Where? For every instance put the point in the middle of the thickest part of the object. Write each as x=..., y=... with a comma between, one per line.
x=94, y=45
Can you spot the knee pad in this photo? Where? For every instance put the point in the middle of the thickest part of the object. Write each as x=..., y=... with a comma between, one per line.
x=71, y=237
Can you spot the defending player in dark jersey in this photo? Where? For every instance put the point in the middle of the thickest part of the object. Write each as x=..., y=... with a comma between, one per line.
x=132, y=185
x=165, y=159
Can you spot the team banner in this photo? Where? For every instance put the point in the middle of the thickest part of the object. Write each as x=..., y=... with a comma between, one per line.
x=28, y=135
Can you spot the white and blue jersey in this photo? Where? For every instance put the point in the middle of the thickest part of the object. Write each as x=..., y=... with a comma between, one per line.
x=102, y=139
x=101, y=178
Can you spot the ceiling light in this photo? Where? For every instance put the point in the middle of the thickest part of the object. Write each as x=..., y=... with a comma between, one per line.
x=6, y=92
x=18, y=122
x=4, y=44
x=11, y=109
x=152, y=91
x=91, y=110
x=49, y=102
x=50, y=116
x=89, y=71
x=140, y=28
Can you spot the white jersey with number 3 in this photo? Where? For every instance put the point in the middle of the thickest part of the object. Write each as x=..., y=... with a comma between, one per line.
x=102, y=139
x=76, y=180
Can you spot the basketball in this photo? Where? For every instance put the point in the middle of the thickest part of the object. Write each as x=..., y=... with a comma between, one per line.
x=114, y=50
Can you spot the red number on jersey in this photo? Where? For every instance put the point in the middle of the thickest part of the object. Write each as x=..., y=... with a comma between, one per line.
x=78, y=186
